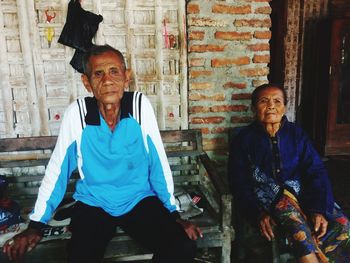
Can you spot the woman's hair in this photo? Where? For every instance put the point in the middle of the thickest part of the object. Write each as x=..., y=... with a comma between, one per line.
x=98, y=50
x=258, y=90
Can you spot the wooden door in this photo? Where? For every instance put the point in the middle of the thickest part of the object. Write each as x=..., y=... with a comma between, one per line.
x=338, y=127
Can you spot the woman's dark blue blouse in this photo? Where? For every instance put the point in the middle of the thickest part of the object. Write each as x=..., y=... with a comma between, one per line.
x=286, y=161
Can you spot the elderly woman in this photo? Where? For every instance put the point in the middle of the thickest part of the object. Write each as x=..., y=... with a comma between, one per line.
x=278, y=178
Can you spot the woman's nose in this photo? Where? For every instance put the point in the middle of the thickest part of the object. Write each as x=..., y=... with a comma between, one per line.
x=270, y=104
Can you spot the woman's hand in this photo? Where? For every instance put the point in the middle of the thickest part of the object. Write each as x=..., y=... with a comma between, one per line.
x=320, y=224
x=266, y=224
x=192, y=231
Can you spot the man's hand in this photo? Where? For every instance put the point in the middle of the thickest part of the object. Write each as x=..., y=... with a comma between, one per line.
x=266, y=224
x=191, y=229
x=320, y=224
x=21, y=243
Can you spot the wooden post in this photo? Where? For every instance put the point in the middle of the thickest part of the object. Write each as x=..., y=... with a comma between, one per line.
x=226, y=211
x=130, y=56
x=99, y=38
x=32, y=101
x=7, y=98
x=159, y=64
x=183, y=78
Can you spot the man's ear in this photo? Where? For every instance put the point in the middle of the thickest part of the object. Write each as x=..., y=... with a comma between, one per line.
x=86, y=82
x=127, y=77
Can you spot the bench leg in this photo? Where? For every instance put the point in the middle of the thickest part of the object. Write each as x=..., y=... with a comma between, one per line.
x=226, y=248
x=226, y=202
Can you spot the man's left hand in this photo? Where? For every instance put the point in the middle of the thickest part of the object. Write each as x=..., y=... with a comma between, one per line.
x=191, y=229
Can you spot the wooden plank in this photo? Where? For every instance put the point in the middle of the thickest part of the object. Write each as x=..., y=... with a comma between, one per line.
x=4, y=80
x=159, y=64
x=179, y=136
x=183, y=63
x=38, y=68
x=26, y=47
x=27, y=143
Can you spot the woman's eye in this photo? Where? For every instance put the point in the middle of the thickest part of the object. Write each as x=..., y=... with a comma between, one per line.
x=278, y=101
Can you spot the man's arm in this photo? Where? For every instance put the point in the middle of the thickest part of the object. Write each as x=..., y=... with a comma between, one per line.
x=52, y=189
x=160, y=174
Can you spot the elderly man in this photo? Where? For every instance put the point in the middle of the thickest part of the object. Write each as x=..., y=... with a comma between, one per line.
x=125, y=179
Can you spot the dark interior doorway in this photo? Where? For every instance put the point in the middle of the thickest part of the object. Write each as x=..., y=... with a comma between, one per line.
x=278, y=30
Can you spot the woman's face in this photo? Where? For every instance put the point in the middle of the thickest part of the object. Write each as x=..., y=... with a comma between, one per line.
x=270, y=108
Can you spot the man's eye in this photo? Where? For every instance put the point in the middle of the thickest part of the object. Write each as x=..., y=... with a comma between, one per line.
x=115, y=72
x=98, y=74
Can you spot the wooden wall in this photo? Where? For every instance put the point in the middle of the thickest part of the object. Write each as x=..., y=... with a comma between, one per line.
x=37, y=82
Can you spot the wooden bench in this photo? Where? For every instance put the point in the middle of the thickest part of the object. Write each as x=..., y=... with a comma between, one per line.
x=23, y=161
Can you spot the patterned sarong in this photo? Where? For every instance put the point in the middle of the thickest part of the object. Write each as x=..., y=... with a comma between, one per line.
x=333, y=247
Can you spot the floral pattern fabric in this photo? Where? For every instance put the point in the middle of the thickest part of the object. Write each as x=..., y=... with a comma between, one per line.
x=333, y=247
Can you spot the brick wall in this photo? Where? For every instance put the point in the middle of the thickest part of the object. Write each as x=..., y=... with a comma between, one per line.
x=228, y=55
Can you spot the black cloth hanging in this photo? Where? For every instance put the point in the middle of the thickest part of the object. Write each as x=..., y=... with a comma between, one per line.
x=78, y=31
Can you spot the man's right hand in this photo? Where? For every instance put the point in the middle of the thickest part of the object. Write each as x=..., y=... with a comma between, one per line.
x=21, y=243
x=266, y=224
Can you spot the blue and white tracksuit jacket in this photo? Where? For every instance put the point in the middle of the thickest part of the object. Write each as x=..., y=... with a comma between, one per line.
x=117, y=169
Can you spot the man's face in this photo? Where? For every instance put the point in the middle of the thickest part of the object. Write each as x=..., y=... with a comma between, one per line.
x=108, y=78
x=270, y=106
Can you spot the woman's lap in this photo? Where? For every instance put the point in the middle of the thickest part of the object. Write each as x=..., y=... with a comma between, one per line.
x=335, y=244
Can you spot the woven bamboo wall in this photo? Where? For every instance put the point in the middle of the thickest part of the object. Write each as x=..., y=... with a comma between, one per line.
x=37, y=82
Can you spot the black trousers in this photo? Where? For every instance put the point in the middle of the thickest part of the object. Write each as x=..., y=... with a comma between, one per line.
x=149, y=223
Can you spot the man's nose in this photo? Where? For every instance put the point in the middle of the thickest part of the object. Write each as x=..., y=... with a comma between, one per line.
x=106, y=78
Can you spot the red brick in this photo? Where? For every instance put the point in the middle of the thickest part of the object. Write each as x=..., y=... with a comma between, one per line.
x=207, y=22
x=228, y=108
x=207, y=48
x=192, y=8
x=261, y=58
x=241, y=96
x=219, y=130
x=258, y=82
x=235, y=85
x=262, y=34
x=205, y=130
x=259, y=47
x=215, y=97
x=196, y=35
x=260, y=1
x=207, y=120
x=263, y=10
x=233, y=35
x=200, y=73
x=253, y=22
x=228, y=9
x=242, y=119
x=199, y=109
x=201, y=85
x=223, y=62
x=197, y=62
x=251, y=72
